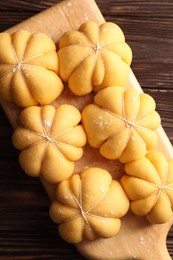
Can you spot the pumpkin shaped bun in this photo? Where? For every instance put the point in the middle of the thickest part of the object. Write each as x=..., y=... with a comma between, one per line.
x=121, y=123
x=89, y=206
x=149, y=186
x=51, y=140
x=94, y=57
x=28, y=69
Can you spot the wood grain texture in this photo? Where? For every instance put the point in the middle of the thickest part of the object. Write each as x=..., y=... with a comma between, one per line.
x=26, y=231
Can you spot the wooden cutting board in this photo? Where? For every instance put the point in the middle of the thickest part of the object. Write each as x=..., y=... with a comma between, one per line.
x=137, y=239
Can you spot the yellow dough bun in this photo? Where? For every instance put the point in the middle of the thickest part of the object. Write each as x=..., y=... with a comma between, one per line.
x=94, y=57
x=28, y=69
x=121, y=123
x=50, y=140
x=89, y=206
x=149, y=186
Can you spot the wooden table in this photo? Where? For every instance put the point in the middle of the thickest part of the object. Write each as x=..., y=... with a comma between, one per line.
x=26, y=231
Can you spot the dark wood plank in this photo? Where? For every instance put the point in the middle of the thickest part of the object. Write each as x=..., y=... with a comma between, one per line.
x=26, y=231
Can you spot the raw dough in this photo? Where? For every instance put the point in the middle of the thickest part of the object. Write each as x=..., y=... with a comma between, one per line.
x=94, y=57
x=51, y=140
x=89, y=206
x=149, y=186
x=28, y=69
x=121, y=123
